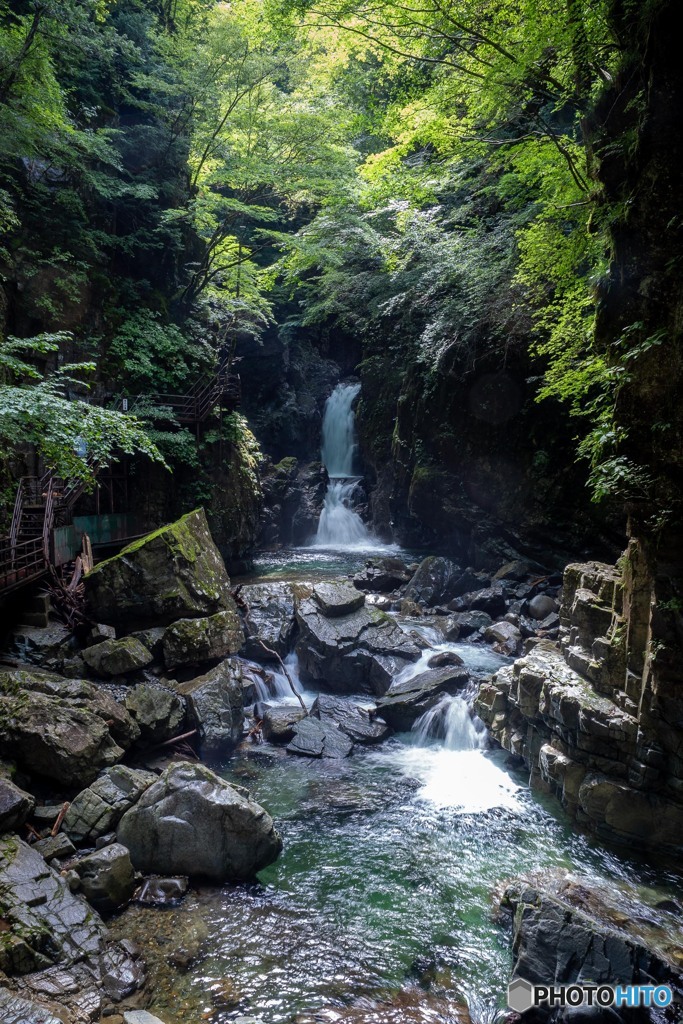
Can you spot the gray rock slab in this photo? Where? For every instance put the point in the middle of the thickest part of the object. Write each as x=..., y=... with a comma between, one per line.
x=191, y=822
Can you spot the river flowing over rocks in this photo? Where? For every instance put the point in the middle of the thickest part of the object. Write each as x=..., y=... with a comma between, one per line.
x=284, y=800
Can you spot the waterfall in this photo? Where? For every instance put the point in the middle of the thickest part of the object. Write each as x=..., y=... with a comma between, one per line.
x=449, y=721
x=339, y=444
x=339, y=525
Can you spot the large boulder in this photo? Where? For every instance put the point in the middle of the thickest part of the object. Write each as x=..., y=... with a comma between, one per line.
x=361, y=651
x=66, y=745
x=157, y=711
x=381, y=576
x=215, y=708
x=357, y=722
x=71, y=693
x=175, y=572
x=117, y=657
x=15, y=806
x=406, y=701
x=98, y=809
x=191, y=822
x=279, y=722
x=564, y=931
x=269, y=617
x=434, y=582
x=107, y=877
x=337, y=597
x=192, y=641
x=55, y=940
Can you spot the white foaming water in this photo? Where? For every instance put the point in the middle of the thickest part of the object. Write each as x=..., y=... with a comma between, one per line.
x=339, y=441
x=280, y=690
x=450, y=722
x=340, y=526
x=465, y=781
x=447, y=756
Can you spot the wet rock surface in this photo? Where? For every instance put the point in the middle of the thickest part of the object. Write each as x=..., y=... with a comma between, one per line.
x=15, y=805
x=315, y=738
x=97, y=810
x=360, y=651
x=107, y=877
x=435, y=582
x=357, y=722
x=269, y=617
x=566, y=932
x=279, y=723
x=406, y=701
x=117, y=657
x=56, y=944
x=337, y=598
x=24, y=681
x=158, y=711
x=65, y=744
x=215, y=708
x=191, y=822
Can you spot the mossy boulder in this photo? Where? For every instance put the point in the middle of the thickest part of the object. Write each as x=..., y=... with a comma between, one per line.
x=64, y=730
x=117, y=657
x=158, y=712
x=192, y=641
x=175, y=572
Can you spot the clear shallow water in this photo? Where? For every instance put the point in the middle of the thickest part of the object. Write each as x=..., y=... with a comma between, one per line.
x=318, y=562
x=382, y=907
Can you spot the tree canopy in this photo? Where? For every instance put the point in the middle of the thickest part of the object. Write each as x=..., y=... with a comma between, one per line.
x=423, y=173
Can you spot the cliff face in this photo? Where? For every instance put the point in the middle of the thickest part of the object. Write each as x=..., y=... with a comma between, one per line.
x=598, y=717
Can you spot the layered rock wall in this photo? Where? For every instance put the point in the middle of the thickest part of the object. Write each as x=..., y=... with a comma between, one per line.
x=598, y=716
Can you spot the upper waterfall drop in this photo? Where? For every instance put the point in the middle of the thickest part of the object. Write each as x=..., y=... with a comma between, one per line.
x=339, y=433
x=339, y=525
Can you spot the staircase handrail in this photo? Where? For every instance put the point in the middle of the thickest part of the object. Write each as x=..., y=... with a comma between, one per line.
x=48, y=518
x=16, y=515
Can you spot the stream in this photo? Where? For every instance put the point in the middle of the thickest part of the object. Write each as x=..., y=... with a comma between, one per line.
x=382, y=906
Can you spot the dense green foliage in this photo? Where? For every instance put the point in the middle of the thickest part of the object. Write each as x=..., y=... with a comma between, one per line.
x=423, y=174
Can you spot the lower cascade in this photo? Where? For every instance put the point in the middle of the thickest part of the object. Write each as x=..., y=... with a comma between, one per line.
x=340, y=525
x=450, y=722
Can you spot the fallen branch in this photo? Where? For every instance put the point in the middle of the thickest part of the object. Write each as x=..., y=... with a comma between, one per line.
x=289, y=678
x=60, y=818
x=175, y=740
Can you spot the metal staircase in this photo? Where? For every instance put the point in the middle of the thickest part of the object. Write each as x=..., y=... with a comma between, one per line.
x=220, y=389
x=42, y=502
x=46, y=501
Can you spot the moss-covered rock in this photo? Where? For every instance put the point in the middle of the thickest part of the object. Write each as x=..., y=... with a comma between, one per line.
x=192, y=641
x=117, y=657
x=175, y=572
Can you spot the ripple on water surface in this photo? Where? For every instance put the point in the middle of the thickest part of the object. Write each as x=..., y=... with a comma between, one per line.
x=381, y=907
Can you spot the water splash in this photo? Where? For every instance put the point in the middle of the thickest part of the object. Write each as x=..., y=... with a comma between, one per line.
x=450, y=722
x=340, y=526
